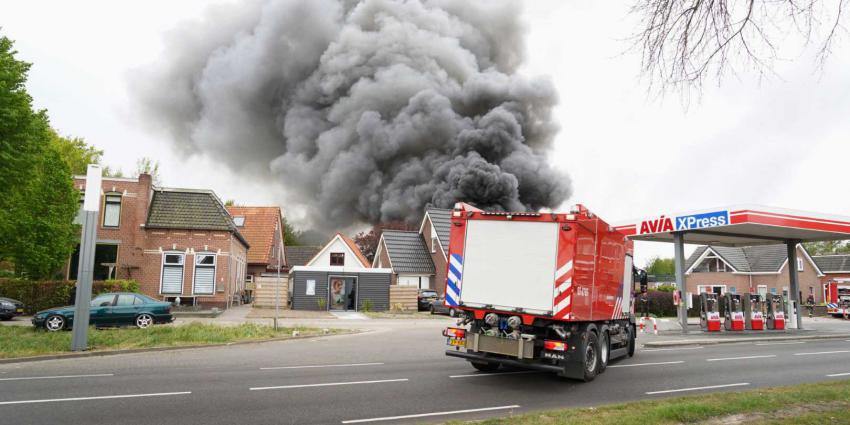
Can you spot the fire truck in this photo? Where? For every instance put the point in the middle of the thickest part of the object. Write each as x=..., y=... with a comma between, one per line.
x=837, y=297
x=544, y=291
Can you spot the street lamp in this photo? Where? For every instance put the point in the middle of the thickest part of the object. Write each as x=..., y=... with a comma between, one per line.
x=85, y=271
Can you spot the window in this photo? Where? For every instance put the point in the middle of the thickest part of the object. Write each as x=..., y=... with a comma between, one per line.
x=81, y=213
x=762, y=290
x=337, y=258
x=103, y=300
x=434, y=243
x=172, y=273
x=733, y=290
x=773, y=291
x=125, y=300
x=105, y=262
x=239, y=221
x=205, y=274
x=799, y=264
x=138, y=300
x=112, y=211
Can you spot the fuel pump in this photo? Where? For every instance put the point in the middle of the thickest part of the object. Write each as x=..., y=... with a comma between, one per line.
x=775, y=312
x=754, y=312
x=709, y=317
x=734, y=317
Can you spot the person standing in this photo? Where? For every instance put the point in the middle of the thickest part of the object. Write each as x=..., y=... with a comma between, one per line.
x=810, y=305
x=72, y=299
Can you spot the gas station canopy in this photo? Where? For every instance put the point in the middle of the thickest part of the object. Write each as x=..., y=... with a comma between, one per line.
x=742, y=225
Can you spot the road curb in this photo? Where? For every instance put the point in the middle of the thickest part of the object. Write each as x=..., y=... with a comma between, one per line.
x=172, y=348
x=679, y=343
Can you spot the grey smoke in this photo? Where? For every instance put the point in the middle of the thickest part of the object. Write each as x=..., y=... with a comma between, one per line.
x=363, y=111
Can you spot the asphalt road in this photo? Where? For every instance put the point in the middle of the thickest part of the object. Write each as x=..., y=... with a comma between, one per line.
x=367, y=378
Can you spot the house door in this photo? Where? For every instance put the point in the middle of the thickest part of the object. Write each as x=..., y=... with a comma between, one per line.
x=343, y=293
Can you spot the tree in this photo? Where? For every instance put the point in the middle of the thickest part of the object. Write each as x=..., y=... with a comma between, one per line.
x=75, y=152
x=146, y=165
x=829, y=247
x=683, y=41
x=661, y=266
x=37, y=198
x=291, y=235
x=368, y=241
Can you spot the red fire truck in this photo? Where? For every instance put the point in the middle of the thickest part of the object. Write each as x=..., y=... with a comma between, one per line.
x=837, y=297
x=545, y=291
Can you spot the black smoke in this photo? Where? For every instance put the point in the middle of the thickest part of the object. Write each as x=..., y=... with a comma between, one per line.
x=363, y=111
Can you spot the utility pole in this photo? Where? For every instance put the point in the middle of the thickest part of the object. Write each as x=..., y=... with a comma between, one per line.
x=85, y=270
x=277, y=289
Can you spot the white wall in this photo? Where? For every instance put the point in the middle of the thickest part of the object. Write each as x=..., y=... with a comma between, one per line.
x=337, y=245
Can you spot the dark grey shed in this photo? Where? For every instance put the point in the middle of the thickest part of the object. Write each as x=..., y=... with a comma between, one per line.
x=372, y=284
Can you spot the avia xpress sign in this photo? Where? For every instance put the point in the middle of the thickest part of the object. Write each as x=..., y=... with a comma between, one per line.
x=684, y=222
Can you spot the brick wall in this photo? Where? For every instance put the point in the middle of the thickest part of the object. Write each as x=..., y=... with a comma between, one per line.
x=384, y=262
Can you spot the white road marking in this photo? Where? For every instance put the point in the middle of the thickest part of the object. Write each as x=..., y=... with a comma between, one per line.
x=328, y=384
x=821, y=352
x=104, y=397
x=646, y=364
x=424, y=415
x=670, y=349
x=492, y=374
x=57, y=377
x=838, y=374
x=320, y=365
x=741, y=358
x=781, y=343
x=740, y=384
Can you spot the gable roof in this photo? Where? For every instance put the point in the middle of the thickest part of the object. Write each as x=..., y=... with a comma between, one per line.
x=259, y=229
x=351, y=246
x=441, y=222
x=750, y=259
x=190, y=209
x=407, y=251
x=300, y=255
x=837, y=263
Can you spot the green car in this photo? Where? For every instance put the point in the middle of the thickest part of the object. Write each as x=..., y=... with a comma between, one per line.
x=110, y=309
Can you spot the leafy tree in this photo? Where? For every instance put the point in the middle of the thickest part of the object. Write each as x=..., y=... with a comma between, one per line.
x=661, y=266
x=291, y=235
x=368, y=241
x=37, y=198
x=76, y=153
x=146, y=165
x=829, y=247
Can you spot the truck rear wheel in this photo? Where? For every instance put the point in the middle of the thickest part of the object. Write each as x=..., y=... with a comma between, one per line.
x=631, y=340
x=485, y=367
x=604, y=350
x=590, y=357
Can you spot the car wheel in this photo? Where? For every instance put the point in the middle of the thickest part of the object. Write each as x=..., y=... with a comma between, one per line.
x=452, y=313
x=432, y=310
x=590, y=360
x=54, y=323
x=144, y=321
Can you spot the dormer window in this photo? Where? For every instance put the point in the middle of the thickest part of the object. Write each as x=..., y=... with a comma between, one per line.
x=337, y=258
x=239, y=221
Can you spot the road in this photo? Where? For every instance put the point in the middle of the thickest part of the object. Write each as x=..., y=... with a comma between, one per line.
x=367, y=378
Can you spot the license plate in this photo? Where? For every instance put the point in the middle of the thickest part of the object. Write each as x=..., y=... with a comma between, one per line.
x=457, y=342
x=20, y=310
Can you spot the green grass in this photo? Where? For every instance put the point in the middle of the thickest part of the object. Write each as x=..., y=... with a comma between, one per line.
x=806, y=404
x=23, y=341
x=402, y=315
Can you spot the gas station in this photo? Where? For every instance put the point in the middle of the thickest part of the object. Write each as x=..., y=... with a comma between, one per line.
x=738, y=226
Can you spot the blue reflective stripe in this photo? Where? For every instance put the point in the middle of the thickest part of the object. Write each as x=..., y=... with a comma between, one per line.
x=453, y=287
x=454, y=270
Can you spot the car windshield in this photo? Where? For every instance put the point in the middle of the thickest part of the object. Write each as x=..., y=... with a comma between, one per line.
x=429, y=294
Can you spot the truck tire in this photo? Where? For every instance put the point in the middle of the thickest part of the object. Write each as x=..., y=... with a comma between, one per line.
x=604, y=350
x=484, y=366
x=590, y=357
x=631, y=340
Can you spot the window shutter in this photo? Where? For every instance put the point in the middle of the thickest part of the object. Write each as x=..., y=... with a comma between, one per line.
x=204, y=280
x=172, y=279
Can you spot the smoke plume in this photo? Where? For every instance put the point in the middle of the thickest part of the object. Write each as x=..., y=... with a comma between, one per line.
x=363, y=111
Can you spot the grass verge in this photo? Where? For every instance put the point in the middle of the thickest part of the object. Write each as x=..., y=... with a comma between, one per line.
x=807, y=403
x=23, y=341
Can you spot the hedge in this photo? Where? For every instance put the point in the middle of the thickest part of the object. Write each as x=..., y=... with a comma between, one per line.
x=661, y=304
x=38, y=295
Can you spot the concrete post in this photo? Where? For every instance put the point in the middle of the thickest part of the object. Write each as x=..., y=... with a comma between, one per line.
x=85, y=270
x=794, y=290
x=679, y=260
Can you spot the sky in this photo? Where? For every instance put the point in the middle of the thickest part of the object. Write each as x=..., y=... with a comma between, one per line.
x=781, y=141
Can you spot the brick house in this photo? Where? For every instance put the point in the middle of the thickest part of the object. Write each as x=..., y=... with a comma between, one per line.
x=756, y=269
x=418, y=258
x=262, y=227
x=174, y=242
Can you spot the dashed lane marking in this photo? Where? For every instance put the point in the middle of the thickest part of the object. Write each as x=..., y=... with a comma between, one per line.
x=710, y=387
x=425, y=415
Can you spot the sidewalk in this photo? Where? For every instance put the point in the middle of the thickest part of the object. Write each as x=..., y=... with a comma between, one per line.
x=671, y=335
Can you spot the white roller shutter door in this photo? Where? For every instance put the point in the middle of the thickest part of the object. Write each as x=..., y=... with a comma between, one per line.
x=204, y=280
x=172, y=279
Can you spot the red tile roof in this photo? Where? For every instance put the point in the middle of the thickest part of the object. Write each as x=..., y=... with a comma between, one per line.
x=356, y=250
x=259, y=229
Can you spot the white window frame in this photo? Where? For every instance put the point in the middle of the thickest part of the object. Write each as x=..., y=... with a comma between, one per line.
x=720, y=265
x=759, y=291
x=434, y=242
x=106, y=203
x=330, y=259
x=162, y=266
x=700, y=289
x=214, y=266
x=239, y=220
x=799, y=264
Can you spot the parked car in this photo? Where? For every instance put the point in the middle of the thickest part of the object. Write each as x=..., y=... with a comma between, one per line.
x=424, y=299
x=438, y=306
x=10, y=308
x=110, y=309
